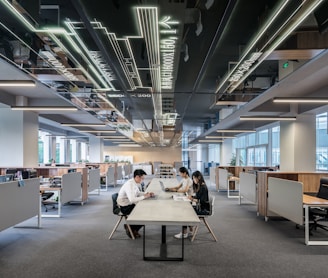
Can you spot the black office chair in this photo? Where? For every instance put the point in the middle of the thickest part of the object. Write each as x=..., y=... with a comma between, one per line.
x=320, y=214
x=203, y=218
x=45, y=200
x=117, y=211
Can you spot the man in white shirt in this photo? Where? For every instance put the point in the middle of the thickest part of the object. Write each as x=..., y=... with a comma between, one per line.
x=129, y=195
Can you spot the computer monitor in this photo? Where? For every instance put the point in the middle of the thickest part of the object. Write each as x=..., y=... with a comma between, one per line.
x=3, y=179
x=9, y=177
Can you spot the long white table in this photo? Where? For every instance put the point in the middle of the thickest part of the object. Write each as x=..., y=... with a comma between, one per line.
x=164, y=211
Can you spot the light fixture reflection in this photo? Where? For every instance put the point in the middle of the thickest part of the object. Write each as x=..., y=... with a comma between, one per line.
x=266, y=118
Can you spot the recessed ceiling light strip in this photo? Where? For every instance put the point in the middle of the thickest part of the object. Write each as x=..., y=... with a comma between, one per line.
x=300, y=100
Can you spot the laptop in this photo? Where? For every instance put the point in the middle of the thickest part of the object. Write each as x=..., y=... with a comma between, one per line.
x=162, y=185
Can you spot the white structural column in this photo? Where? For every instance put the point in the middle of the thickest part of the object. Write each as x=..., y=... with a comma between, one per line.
x=226, y=152
x=96, y=149
x=298, y=144
x=18, y=138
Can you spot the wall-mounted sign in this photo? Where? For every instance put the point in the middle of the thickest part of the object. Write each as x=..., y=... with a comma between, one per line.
x=168, y=45
x=57, y=65
x=244, y=67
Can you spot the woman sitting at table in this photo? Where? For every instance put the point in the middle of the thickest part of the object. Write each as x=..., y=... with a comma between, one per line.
x=199, y=198
x=185, y=186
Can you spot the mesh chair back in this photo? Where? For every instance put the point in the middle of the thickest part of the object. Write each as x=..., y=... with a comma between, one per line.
x=116, y=208
x=323, y=189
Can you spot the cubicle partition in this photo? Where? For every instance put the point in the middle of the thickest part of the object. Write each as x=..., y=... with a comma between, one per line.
x=223, y=180
x=19, y=202
x=94, y=180
x=71, y=187
x=285, y=198
x=247, y=187
x=310, y=181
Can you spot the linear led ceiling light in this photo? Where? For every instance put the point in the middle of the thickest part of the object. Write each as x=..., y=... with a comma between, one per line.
x=83, y=125
x=98, y=131
x=266, y=118
x=230, y=102
x=236, y=130
x=43, y=108
x=220, y=137
x=210, y=141
x=300, y=100
x=17, y=83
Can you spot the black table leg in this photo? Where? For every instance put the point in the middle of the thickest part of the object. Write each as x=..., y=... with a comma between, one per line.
x=163, y=248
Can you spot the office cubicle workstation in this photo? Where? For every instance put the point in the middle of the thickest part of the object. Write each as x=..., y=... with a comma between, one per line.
x=310, y=181
x=19, y=201
x=287, y=199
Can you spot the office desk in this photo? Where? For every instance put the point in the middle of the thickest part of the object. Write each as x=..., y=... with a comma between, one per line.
x=163, y=211
x=46, y=187
x=310, y=202
x=234, y=181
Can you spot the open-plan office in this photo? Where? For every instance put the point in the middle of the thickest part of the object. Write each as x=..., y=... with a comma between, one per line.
x=92, y=90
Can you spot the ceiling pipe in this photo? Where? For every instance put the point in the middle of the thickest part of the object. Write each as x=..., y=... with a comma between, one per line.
x=229, y=8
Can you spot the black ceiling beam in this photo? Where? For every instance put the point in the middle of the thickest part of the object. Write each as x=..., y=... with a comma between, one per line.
x=226, y=15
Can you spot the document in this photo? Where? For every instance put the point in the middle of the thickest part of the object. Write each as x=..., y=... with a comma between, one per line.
x=177, y=197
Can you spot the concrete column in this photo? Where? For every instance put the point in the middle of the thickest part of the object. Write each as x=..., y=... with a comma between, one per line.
x=96, y=149
x=68, y=151
x=298, y=144
x=226, y=152
x=18, y=138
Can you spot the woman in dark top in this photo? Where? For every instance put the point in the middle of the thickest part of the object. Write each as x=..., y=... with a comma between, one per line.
x=201, y=194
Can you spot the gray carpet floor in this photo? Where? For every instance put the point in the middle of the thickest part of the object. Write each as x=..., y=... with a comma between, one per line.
x=77, y=245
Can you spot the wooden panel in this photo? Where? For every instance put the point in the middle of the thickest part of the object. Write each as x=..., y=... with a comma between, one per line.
x=311, y=182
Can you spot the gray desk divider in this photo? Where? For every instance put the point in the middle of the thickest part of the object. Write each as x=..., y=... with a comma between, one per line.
x=285, y=198
x=71, y=187
x=110, y=177
x=94, y=180
x=247, y=187
x=223, y=179
x=18, y=204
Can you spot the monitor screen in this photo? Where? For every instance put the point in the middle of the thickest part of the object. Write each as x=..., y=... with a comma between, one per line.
x=3, y=179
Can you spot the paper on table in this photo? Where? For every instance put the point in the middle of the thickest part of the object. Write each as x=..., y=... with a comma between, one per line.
x=180, y=198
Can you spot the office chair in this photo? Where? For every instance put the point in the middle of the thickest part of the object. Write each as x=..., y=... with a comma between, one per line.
x=203, y=218
x=45, y=196
x=320, y=214
x=117, y=211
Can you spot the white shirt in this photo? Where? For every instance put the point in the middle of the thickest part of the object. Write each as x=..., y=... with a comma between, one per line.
x=187, y=182
x=129, y=193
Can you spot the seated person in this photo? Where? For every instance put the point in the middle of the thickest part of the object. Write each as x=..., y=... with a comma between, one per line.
x=185, y=186
x=129, y=195
x=200, y=199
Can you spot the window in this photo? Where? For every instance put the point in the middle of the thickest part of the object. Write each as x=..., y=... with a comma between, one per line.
x=321, y=142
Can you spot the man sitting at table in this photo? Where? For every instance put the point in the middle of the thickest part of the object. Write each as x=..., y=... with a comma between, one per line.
x=129, y=195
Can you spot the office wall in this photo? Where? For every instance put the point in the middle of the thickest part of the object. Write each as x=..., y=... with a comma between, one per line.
x=19, y=138
x=145, y=154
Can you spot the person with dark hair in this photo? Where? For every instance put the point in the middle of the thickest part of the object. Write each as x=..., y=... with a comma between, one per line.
x=199, y=200
x=129, y=195
x=185, y=186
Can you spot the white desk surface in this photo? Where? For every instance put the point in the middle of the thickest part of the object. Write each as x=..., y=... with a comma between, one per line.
x=163, y=210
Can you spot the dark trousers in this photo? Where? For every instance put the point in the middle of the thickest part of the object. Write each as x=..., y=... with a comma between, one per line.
x=127, y=210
